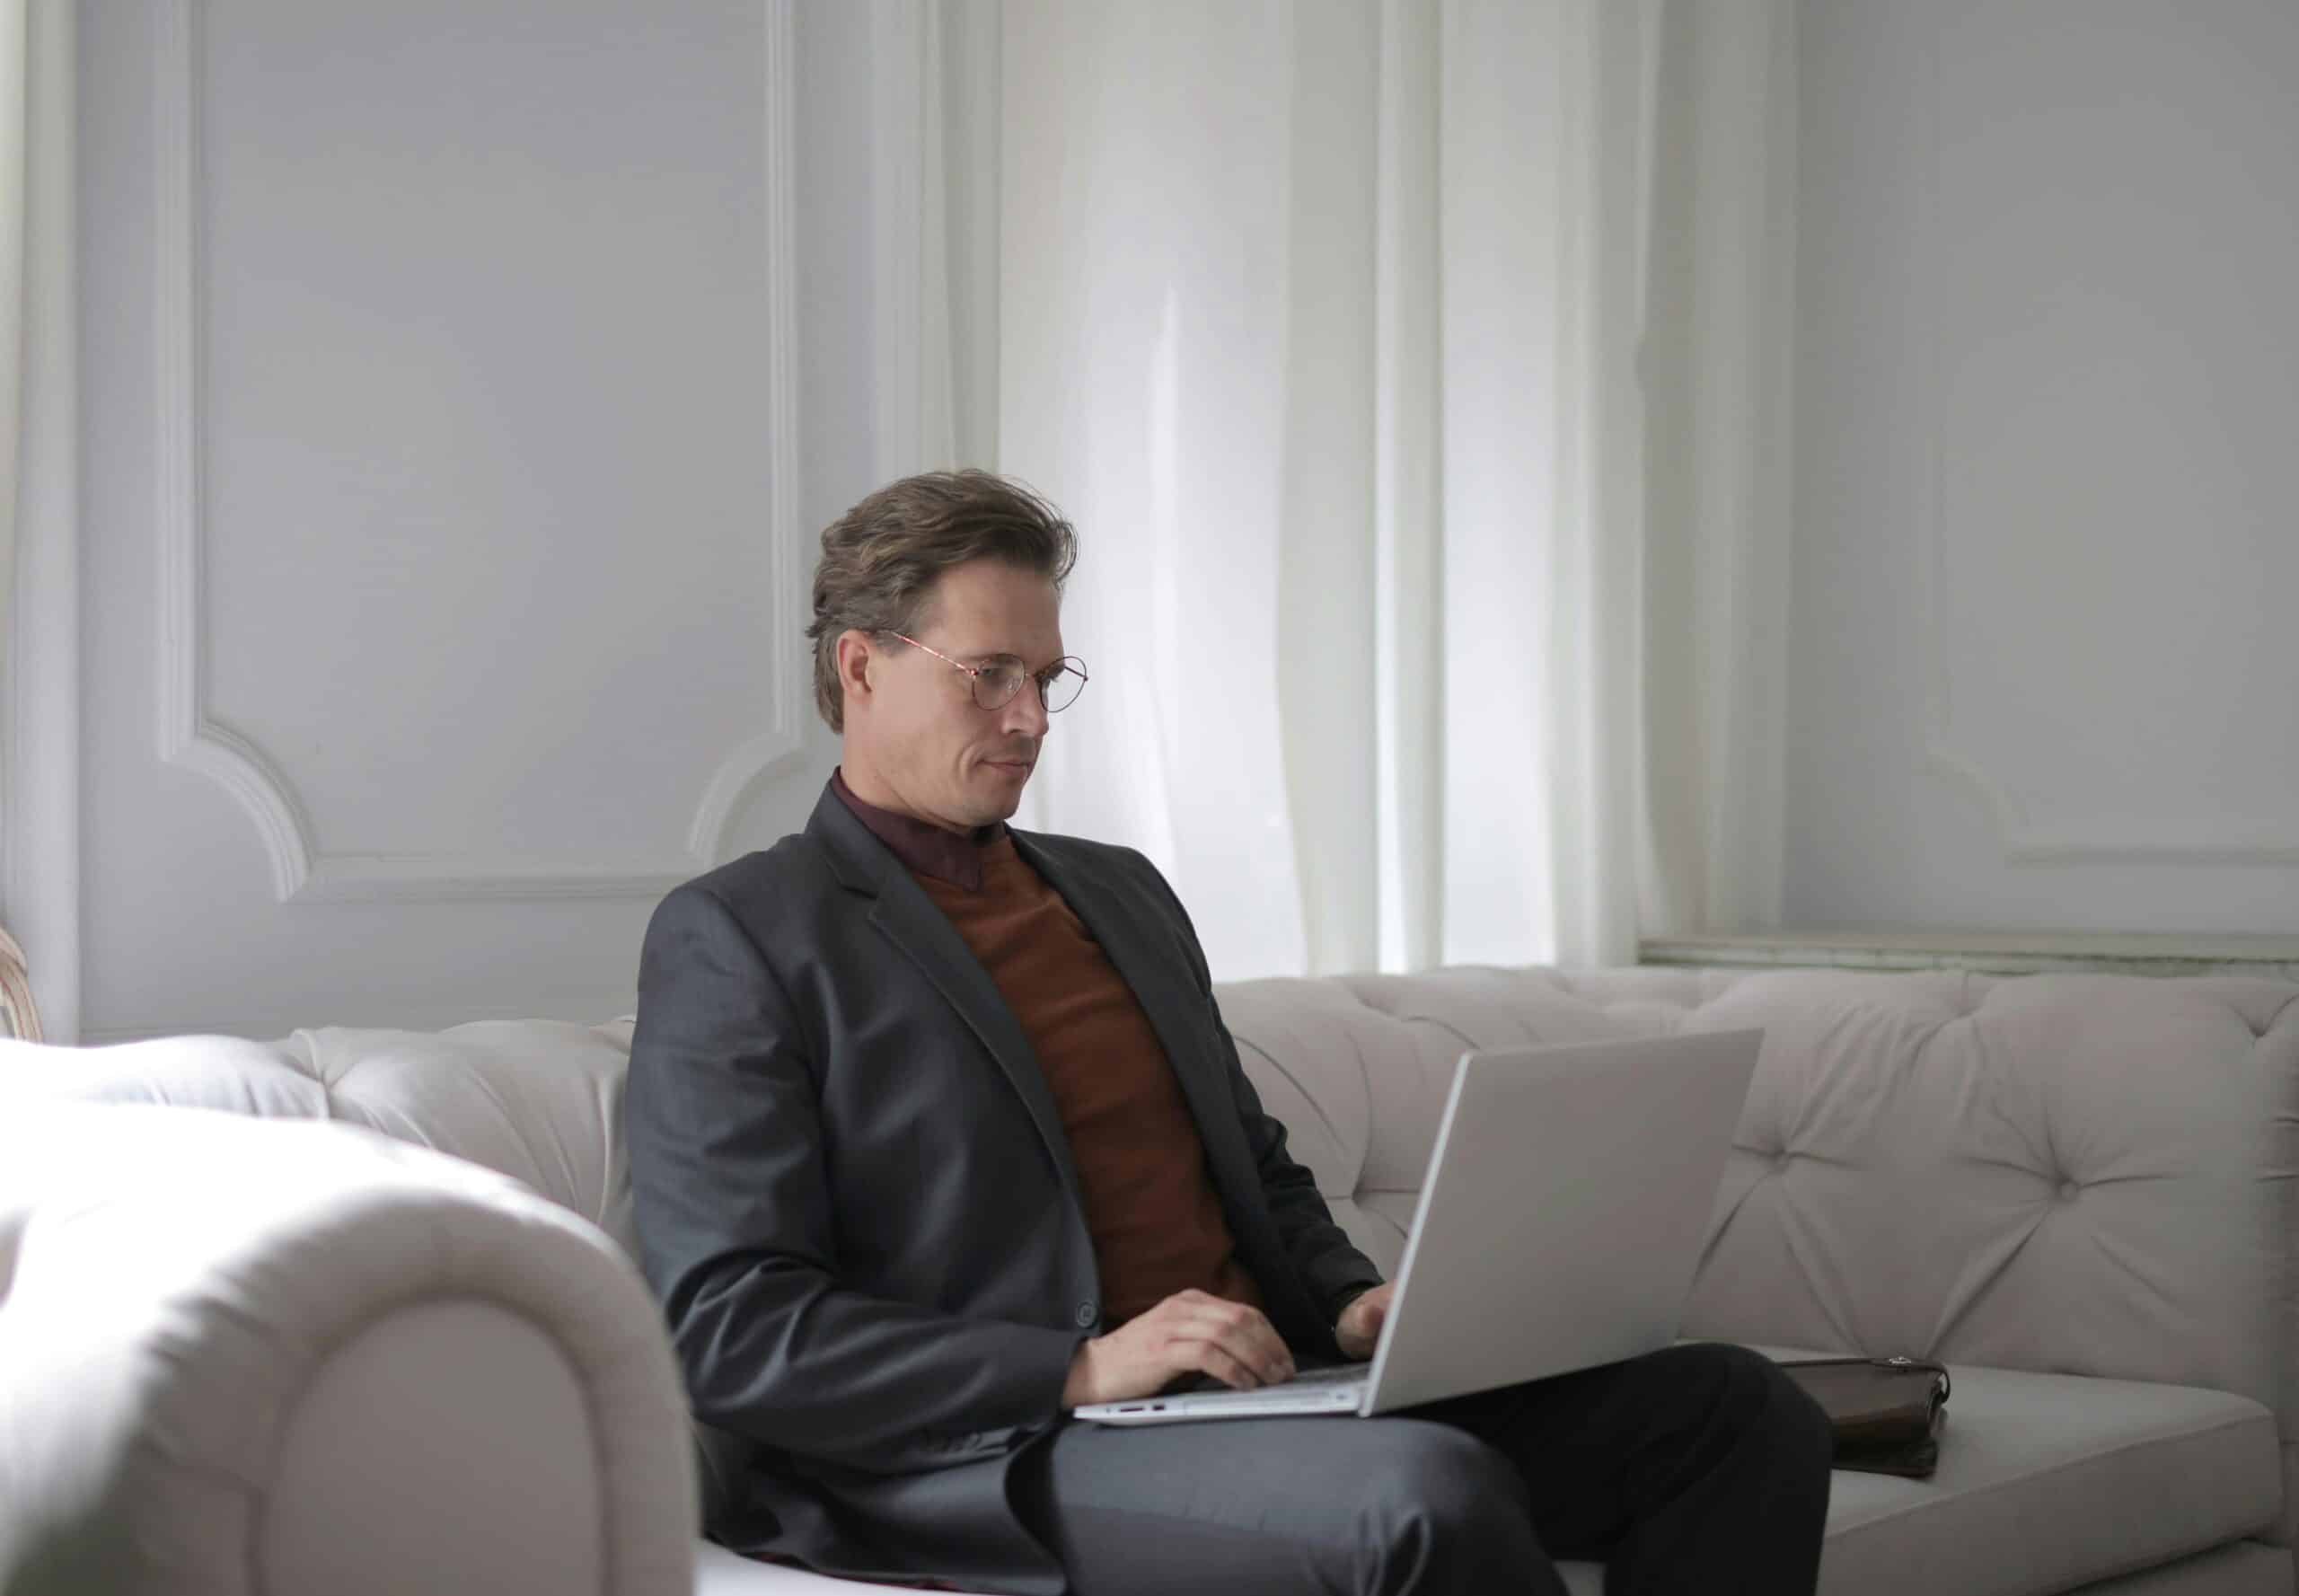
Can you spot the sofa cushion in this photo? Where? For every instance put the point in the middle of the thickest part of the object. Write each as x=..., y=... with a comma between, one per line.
x=2078, y=1174
x=2069, y=1174
x=2047, y=1481
x=540, y=1100
x=229, y=1073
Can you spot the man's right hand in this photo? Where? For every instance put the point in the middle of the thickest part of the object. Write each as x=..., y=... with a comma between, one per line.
x=1190, y=1332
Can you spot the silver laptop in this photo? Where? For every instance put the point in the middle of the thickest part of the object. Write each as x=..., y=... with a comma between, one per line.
x=1564, y=1210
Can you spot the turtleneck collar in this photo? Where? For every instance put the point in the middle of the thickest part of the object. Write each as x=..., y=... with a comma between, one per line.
x=924, y=848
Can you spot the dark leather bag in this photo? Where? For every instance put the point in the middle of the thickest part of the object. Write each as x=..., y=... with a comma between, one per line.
x=1886, y=1412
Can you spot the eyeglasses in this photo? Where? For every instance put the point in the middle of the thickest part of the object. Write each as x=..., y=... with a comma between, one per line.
x=995, y=685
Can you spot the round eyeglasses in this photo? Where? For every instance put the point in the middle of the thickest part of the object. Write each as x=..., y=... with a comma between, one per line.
x=996, y=684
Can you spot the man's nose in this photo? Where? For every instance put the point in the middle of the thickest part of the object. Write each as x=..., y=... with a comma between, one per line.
x=1025, y=711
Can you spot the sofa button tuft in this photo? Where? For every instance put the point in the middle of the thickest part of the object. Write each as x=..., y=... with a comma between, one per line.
x=2068, y=1191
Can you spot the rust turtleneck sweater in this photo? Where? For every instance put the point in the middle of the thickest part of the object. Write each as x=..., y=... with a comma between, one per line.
x=1156, y=1222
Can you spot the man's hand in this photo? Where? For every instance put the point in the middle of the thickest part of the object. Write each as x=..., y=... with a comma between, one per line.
x=1190, y=1332
x=1359, y=1328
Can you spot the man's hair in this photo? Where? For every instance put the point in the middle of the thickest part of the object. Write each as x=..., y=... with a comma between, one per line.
x=881, y=559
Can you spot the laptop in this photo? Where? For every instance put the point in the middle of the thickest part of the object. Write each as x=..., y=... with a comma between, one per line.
x=1567, y=1203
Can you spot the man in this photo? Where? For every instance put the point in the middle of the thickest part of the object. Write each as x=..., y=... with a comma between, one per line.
x=936, y=1133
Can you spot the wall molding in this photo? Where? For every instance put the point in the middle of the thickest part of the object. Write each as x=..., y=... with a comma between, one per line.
x=41, y=590
x=903, y=48
x=191, y=735
x=2025, y=836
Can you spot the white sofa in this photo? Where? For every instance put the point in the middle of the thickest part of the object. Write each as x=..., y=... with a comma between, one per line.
x=238, y=1356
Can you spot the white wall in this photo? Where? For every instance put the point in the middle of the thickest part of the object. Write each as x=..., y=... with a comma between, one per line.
x=473, y=461
x=444, y=552
x=2043, y=660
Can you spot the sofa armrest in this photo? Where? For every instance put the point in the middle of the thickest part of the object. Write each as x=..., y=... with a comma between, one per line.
x=241, y=1354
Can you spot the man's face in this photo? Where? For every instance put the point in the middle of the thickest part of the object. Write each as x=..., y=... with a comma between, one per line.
x=946, y=759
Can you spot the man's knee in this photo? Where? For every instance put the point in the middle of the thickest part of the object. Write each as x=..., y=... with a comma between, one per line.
x=1441, y=1511
x=1794, y=1425
x=1443, y=1474
x=1754, y=1407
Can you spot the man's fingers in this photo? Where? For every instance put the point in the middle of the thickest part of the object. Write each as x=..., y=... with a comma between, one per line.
x=1268, y=1360
x=1226, y=1369
x=1237, y=1318
x=1241, y=1334
x=1259, y=1351
x=1257, y=1333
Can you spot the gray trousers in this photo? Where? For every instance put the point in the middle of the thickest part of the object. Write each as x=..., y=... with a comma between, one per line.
x=1696, y=1469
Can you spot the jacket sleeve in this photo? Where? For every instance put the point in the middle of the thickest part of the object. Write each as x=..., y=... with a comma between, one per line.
x=1326, y=1261
x=731, y=1199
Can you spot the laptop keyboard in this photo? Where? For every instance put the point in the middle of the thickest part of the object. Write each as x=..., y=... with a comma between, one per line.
x=1333, y=1374
x=1337, y=1374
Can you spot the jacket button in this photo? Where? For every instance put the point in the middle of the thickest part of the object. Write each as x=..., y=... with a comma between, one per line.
x=1086, y=1316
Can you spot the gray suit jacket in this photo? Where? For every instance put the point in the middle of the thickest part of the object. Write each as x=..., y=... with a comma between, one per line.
x=855, y=1200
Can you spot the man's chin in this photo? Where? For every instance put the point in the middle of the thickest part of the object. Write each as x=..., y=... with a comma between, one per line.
x=999, y=792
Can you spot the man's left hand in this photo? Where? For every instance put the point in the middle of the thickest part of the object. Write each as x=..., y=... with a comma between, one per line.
x=1360, y=1327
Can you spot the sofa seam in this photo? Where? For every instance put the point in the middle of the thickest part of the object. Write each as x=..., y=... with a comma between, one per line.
x=2275, y=1018
x=2088, y=1458
x=2124, y=1570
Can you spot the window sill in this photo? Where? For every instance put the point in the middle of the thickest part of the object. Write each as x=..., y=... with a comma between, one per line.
x=1989, y=952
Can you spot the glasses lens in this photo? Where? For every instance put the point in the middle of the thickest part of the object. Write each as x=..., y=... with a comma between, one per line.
x=1061, y=687
x=994, y=686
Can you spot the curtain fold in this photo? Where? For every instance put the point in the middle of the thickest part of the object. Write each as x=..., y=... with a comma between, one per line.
x=1408, y=500
x=1145, y=247
x=1413, y=373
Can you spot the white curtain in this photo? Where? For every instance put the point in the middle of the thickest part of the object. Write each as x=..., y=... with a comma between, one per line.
x=38, y=603
x=1413, y=372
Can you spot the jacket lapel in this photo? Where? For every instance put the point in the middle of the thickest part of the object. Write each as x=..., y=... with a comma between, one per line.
x=910, y=921
x=1177, y=1012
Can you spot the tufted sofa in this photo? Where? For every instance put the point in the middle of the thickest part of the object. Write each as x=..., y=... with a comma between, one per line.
x=371, y=1323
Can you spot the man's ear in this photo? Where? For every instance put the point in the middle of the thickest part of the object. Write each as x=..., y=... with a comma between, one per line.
x=854, y=654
